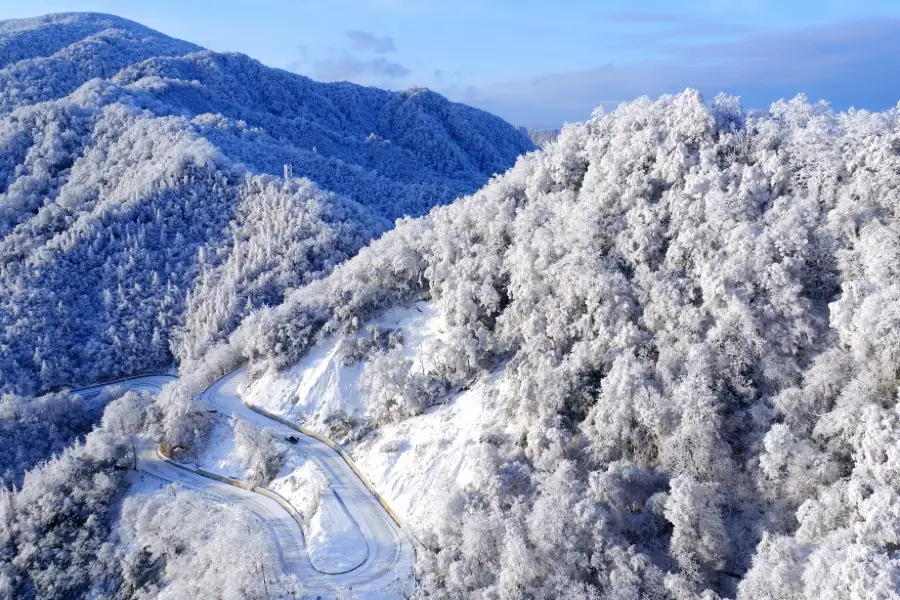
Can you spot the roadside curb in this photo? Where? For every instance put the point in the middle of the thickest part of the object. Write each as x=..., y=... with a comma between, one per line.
x=263, y=492
x=109, y=382
x=347, y=459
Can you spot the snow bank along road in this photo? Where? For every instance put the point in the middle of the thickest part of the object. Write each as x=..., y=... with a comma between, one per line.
x=388, y=567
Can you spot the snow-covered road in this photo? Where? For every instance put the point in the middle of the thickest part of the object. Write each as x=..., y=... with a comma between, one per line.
x=387, y=569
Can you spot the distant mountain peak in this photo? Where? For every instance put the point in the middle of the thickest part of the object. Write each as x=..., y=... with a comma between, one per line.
x=48, y=57
x=73, y=26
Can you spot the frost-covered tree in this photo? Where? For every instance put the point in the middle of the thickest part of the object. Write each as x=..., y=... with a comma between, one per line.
x=35, y=429
x=394, y=389
x=699, y=538
x=182, y=545
x=180, y=418
x=695, y=311
x=53, y=529
x=259, y=451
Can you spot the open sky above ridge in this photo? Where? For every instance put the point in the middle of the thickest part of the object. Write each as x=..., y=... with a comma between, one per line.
x=541, y=63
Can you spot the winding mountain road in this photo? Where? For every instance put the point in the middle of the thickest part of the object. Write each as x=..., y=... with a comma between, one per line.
x=387, y=570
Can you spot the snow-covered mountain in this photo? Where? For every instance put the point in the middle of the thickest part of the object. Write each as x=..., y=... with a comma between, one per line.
x=143, y=201
x=49, y=57
x=658, y=359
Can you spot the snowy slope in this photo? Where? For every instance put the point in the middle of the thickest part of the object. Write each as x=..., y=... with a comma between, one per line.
x=320, y=384
x=416, y=463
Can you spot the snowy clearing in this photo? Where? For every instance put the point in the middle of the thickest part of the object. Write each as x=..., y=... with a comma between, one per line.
x=320, y=384
x=416, y=463
x=333, y=539
x=413, y=464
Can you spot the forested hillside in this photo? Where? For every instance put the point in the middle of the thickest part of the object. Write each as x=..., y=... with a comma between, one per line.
x=143, y=204
x=685, y=319
x=694, y=312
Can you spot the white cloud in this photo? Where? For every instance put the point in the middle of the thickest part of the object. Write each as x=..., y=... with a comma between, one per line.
x=367, y=41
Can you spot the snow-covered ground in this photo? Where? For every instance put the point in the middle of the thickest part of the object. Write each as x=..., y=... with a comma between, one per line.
x=350, y=542
x=333, y=539
x=414, y=463
x=220, y=455
x=320, y=384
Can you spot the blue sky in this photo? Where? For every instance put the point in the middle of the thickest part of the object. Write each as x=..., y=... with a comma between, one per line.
x=544, y=62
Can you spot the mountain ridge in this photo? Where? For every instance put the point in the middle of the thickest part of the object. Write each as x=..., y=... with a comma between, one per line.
x=69, y=49
x=125, y=180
